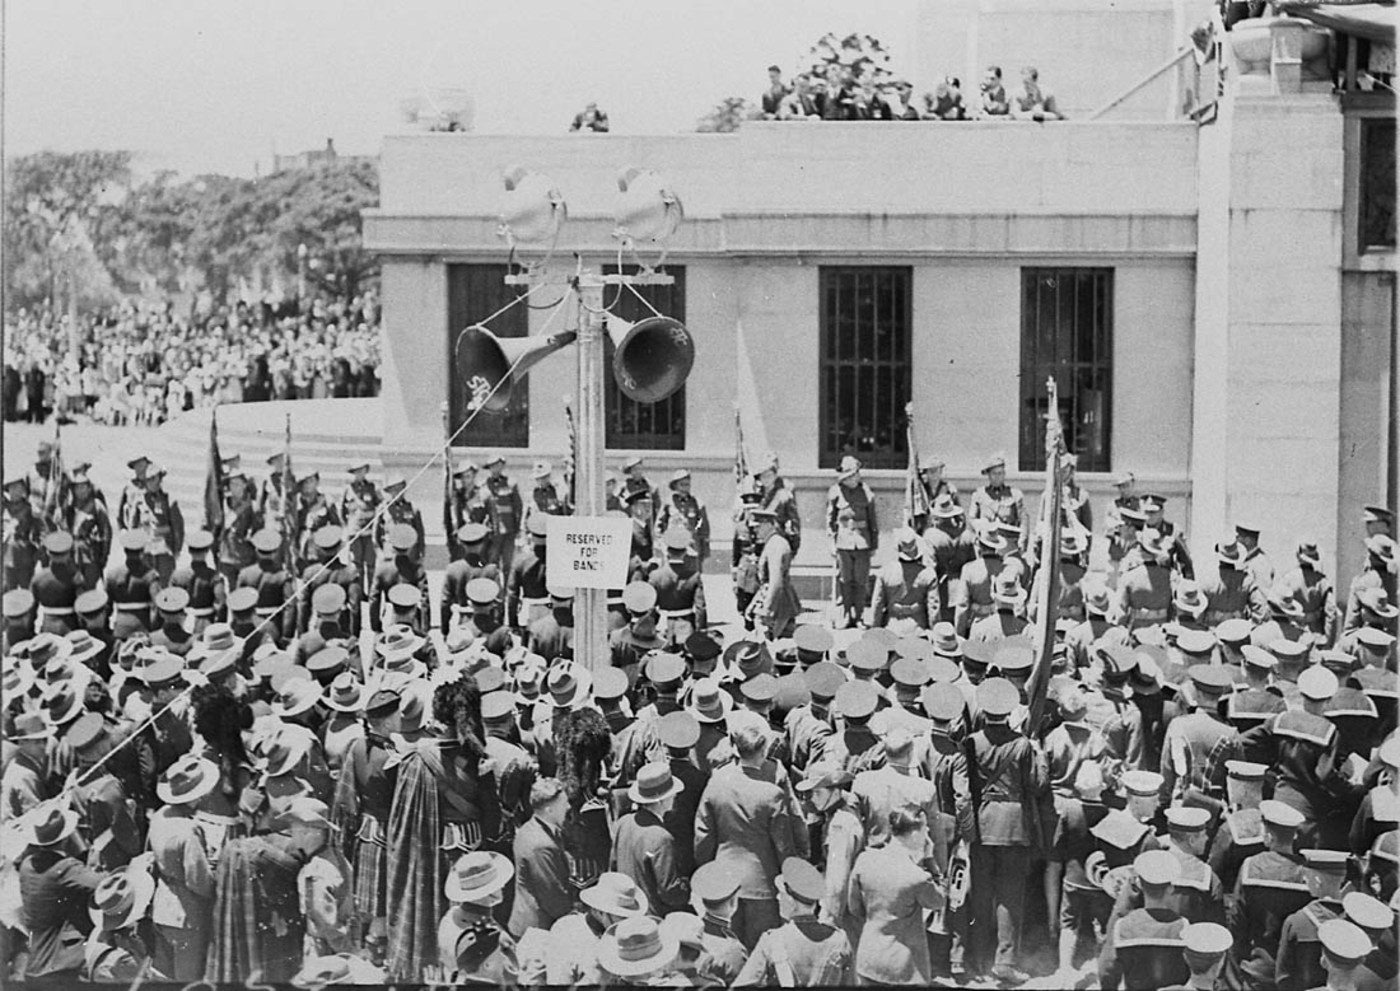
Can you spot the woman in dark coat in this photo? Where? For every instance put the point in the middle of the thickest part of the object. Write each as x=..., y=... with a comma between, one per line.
x=582, y=741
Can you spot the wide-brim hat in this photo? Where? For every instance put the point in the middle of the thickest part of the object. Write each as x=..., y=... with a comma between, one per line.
x=398, y=642
x=84, y=646
x=1009, y=593
x=709, y=703
x=635, y=947
x=122, y=898
x=654, y=783
x=1189, y=599
x=346, y=694
x=297, y=696
x=187, y=780
x=477, y=875
x=616, y=894
x=1230, y=552
x=991, y=540
x=849, y=466
x=567, y=686
x=50, y=825
x=1381, y=546
x=946, y=508
x=907, y=548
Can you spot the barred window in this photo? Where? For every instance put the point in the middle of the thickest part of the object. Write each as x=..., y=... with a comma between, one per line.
x=1377, y=226
x=631, y=425
x=866, y=344
x=1067, y=333
x=474, y=292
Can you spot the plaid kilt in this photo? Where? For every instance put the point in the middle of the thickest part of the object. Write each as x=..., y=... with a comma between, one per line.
x=413, y=857
x=371, y=878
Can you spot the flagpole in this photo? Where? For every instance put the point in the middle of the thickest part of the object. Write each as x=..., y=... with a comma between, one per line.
x=1038, y=685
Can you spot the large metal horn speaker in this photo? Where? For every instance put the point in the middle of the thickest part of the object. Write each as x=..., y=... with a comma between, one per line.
x=485, y=361
x=652, y=358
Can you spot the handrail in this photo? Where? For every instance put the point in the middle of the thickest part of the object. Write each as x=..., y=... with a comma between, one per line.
x=1146, y=80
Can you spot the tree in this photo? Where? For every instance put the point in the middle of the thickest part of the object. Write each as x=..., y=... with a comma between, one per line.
x=321, y=208
x=727, y=115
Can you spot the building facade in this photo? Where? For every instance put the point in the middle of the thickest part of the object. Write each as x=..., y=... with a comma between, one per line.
x=1198, y=292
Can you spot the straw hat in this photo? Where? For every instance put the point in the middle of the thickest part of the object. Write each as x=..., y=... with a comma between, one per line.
x=478, y=874
x=637, y=946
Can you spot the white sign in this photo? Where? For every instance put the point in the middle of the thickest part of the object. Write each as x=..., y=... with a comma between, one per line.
x=588, y=551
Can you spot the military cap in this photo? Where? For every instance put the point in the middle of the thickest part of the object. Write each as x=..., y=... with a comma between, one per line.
x=328, y=599
x=677, y=539
x=1187, y=818
x=1280, y=814
x=405, y=596
x=942, y=701
x=997, y=697
x=1119, y=829
x=1376, y=682
x=327, y=660
x=702, y=646
x=1207, y=939
x=812, y=639
x=497, y=706
x=1288, y=650
x=909, y=672
x=760, y=688
x=266, y=541
x=1317, y=683
x=1156, y=867
x=1196, y=642
x=678, y=730
x=473, y=533
x=138, y=462
x=132, y=541
x=242, y=599
x=92, y=601
x=402, y=537
x=483, y=592
x=976, y=654
x=1386, y=846
x=1142, y=783
x=1213, y=679
x=1339, y=662
x=58, y=542
x=1118, y=661
x=867, y=655
x=792, y=692
x=856, y=699
x=18, y=603
x=665, y=668
x=824, y=679
x=560, y=593
x=164, y=671
x=679, y=475
x=913, y=648
x=200, y=540
x=802, y=881
x=383, y=702
x=1234, y=631
x=631, y=495
x=1328, y=861
x=941, y=669
x=156, y=471
x=1344, y=942
x=1367, y=911
x=1243, y=770
x=1389, y=751
x=1013, y=656
x=1258, y=657
x=715, y=881
x=1247, y=526
x=490, y=680
x=1374, y=638
x=328, y=537
x=1377, y=514
x=172, y=599
x=539, y=526
x=610, y=683
x=639, y=597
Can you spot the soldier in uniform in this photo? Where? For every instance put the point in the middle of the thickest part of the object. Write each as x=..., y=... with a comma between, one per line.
x=803, y=952
x=57, y=584
x=1256, y=562
x=399, y=512
x=241, y=521
x=684, y=508
x=357, y=508
x=204, y=585
x=1298, y=963
x=1312, y=590
x=1143, y=949
x=1379, y=572
x=1145, y=588
x=132, y=585
x=1345, y=949
x=775, y=495
x=47, y=485
x=1009, y=619
x=314, y=511
x=1204, y=945
x=906, y=594
x=467, y=503
x=276, y=507
x=505, y=514
x=326, y=624
x=172, y=630
x=1190, y=740
x=272, y=582
x=997, y=502
x=951, y=547
x=635, y=480
x=330, y=568
x=971, y=595
x=935, y=487
x=19, y=619
x=1232, y=593
x=134, y=489
x=1012, y=773
x=746, y=548
x=1270, y=887
x=474, y=947
x=471, y=540
x=714, y=890
x=527, y=598
x=87, y=519
x=680, y=591
x=404, y=567
x=552, y=636
x=23, y=531
x=640, y=636
x=855, y=536
x=485, y=622
x=775, y=606
x=546, y=497
x=639, y=506
x=1176, y=550
x=159, y=516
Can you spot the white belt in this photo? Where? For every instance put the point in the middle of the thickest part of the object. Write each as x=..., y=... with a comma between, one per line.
x=55, y=610
x=534, y=602
x=201, y=611
x=676, y=613
x=266, y=610
x=132, y=606
x=1148, y=614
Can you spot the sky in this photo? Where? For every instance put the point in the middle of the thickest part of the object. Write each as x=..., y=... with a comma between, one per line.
x=200, y=86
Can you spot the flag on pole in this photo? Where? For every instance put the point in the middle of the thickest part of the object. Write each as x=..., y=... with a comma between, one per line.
x=54, y=484
x=571, y=461
x=448, y=523
x=289, y=494
x=741, y=461
x=916, y=505
x=214, y=480
x=1039, y=683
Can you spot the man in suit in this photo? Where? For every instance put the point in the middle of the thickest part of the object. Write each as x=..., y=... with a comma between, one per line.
x=643, y=847
x=55, y=888
x=749, y=822
x=542, y=892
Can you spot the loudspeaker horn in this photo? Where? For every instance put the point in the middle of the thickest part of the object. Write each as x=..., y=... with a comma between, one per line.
x=651, y=358
x=485, y=361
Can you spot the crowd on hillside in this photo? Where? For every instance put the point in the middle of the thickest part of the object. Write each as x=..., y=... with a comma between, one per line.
x=143, y=364
x=840, y=93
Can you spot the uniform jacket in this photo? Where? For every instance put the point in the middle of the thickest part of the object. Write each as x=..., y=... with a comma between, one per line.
x=689, y=510
x=274, y=587
x=358, y=503
x=878, y=793
x=776, y=604
x=1269, y=888
x=746, y=822
x=890, y=892
x=1000, y=504
x=850, y=518
x=905, y=590
x=504, y=507
x=184, y=895
x=1312, y=590
x=1143, y=950
x=1010, y=777
x=454, y=588
x=803, y=953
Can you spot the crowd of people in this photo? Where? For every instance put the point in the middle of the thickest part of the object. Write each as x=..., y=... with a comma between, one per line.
x=839, y=93
x=143, y=364
x=211, y=771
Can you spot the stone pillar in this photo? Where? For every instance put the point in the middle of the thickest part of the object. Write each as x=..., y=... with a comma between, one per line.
x=1268, y=313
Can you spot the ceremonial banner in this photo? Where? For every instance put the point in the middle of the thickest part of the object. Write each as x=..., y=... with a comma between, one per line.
x=214, y=480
